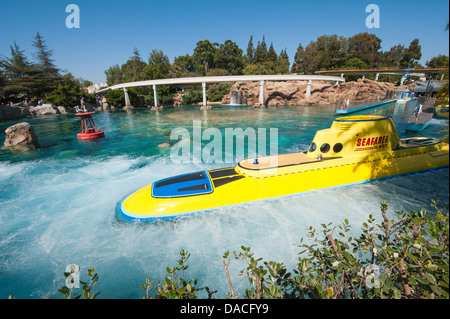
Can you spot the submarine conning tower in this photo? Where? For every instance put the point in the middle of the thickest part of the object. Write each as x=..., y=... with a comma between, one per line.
x=355, y=135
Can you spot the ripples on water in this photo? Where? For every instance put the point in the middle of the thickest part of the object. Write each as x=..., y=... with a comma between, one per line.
x=58, y=203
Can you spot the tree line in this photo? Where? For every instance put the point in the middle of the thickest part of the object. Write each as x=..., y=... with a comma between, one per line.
x=327, y=52
x=40, y=78
x=30, y=80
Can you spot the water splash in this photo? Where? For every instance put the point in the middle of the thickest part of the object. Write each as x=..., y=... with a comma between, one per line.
x=59, y=208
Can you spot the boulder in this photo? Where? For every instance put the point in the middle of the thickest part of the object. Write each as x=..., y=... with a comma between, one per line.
x=20, y=134
x=44, y=109
x=64, y=110
x=13, y=112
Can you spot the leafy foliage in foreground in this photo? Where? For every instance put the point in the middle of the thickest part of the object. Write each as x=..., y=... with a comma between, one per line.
x=406, y=257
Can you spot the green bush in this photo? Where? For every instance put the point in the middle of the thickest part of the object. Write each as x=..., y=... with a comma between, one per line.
x=401, y=258
x=117, y=97
x=215, y=92
x=192, y=97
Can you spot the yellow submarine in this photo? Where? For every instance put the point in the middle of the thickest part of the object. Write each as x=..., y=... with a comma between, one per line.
x=355, y=149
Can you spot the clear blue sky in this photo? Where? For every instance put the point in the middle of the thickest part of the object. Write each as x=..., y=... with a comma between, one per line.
x=109, y=30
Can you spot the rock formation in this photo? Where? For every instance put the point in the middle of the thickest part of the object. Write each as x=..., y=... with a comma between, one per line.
x=20, y=134
x=294, y=92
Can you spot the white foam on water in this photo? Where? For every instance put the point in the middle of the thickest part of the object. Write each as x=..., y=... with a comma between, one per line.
x=59, y=211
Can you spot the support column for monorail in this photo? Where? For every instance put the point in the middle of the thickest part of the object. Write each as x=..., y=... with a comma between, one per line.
x=261, y=92
x=127, y=98
x=204, y=93
x=155, y=95
x=308, y=88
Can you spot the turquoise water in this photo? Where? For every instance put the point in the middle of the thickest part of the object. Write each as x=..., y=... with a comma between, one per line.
x=57, y=203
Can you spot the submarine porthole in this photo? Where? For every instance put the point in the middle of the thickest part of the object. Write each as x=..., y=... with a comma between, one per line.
x=337, y=147
x=325, y=148
x=313, y=147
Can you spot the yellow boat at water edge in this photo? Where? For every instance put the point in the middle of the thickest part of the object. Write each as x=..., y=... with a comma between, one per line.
x=355, y=149
x=441, y=111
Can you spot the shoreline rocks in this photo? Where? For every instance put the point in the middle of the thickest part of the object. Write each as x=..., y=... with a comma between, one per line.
x=20, y=134
x=15, y=112
x=293, y=93
x=276, y=93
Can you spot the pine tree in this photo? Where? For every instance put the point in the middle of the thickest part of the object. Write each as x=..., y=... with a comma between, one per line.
x=271, y=54
x=250, y=51
x=22, y=76
x=48, y=72
x=44, y=57
x=263, y=50
x=132, y=69
x=298, y=58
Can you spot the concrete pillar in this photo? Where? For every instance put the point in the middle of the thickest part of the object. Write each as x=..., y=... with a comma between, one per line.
x=127, y=98
x=308, y=88
x=261, y=92
x=376, y=77
x=204, y=93
x=155, y=95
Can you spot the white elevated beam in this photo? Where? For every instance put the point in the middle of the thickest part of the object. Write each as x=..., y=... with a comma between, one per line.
x=230, y=78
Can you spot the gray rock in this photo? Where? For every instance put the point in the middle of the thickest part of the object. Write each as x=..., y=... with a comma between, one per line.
x=13, y=112
x=20, y=134
x=44, y=109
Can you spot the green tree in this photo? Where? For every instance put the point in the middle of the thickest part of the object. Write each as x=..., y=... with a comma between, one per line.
x=282, y=65
x=44, y=58
x=229, y=57
x=132, y=69
x=183, y=66
x=411, y=55
x=114, y=75
x=354, y=64
x=250, y=57
x=48, y=72
x=68, y=92
x=22, y=76
x=116, y=98
x=215, y=92
x=271, y=54
x=310, y=60
x=439, y=61
x=366, y=47
x=298, y=58
x=393, y=57
x=158, y=66
x=204, y=54
x=333, y=49
x=261, y=52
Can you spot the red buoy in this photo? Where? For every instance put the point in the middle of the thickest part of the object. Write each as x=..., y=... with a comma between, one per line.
x=88, y=129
